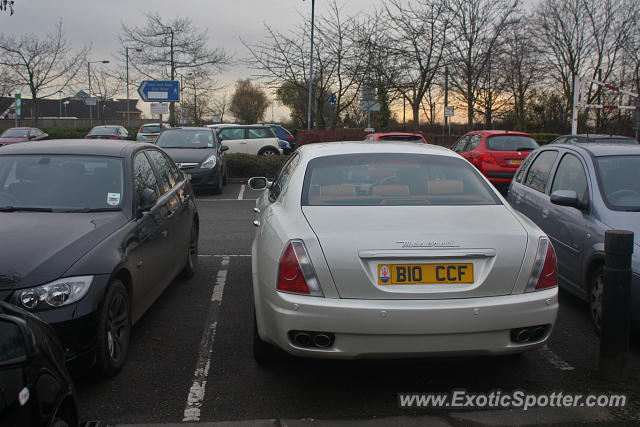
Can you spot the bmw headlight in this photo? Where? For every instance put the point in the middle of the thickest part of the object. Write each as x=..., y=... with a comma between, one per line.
x=55, y=294
x=210, y=163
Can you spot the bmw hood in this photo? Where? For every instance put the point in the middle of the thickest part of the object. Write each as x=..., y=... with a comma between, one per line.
x=38, y=247
x=189, y=155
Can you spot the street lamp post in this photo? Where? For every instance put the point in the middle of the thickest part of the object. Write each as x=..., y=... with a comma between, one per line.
x=126, y=54
x=89, y=75
x=313, y=6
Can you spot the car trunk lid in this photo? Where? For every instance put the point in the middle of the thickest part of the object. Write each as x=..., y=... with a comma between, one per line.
x=368, y=248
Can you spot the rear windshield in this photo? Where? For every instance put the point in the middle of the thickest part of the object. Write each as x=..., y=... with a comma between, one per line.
x=14, y=133
x=151, y=129
x=394, y=179
x=619, y=178
x=404, y=138
x=104, y=131
x=511, y=143
x=61, y=183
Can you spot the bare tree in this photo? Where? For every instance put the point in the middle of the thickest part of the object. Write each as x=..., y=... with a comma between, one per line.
x=476, y=28
x=282, y=60
x=417, y=46
x=523, y=70
x=170, y=46
x=45, y=65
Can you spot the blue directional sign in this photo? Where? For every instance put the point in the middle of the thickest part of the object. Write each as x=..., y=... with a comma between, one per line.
x=159, y=90
x=333, y=100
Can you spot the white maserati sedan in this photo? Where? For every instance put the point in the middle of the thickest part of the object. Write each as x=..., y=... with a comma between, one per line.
x=394, y=250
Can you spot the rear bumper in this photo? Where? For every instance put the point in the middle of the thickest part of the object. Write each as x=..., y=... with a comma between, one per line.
x=405, y=328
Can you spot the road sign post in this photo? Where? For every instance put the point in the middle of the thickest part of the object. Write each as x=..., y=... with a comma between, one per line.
x=18, y=106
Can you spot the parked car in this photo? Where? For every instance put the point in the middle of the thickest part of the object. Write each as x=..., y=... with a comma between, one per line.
x=92, y=235
x=396, y=136
x=575, y=192
x=199, y=154
x=287, y=141
x=345, y=265
x=35, y=386
x=12, y=135
x=149, y=132
x=599, y=139
x=249, y=139
x=108, y=132
x=496, y=153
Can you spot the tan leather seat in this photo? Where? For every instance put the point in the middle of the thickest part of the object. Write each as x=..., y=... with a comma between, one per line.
x=444, y=186
x=391, y=190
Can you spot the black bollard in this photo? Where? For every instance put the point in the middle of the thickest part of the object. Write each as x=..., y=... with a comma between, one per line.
x=616, y=305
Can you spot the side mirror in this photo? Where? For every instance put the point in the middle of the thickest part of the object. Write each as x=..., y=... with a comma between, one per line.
x=566, y=198
x=149, y=199
x=223, y=148
x=258, y=183
x=16, y=341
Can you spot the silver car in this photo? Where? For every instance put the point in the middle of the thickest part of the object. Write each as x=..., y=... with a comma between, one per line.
x=394, y=249
x=575, y=192
x=149, y=132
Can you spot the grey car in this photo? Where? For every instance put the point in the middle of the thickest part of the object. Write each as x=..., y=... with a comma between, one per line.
x=591, y=138
x=575, y=192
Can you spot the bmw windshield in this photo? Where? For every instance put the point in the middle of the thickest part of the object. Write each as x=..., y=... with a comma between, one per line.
x=619, y=178
x=60, y=183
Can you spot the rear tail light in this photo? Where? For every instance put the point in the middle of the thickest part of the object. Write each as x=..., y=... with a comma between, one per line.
x=140, y=130
x=289, y=137
x=113, y=137
x=545, y=272
x=296, y=274
x=488, y=158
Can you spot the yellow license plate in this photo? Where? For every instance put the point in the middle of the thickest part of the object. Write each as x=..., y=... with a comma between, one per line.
x=152, y=137
x=424, y=274
x=515, y=162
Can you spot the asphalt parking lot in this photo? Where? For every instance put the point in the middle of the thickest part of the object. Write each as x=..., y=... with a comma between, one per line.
x=190, y=358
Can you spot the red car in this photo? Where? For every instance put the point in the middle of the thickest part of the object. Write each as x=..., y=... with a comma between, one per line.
x=496, y=153
x=396, y=136
x=12, y=135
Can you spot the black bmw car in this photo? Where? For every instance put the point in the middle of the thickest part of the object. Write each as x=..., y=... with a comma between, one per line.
x=199, y=154
x=92, y=233
x=35, y=386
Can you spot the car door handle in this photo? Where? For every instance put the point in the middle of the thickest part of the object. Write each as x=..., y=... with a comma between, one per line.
x=518, y=199
x=545, y=213
x=256, y=223
x=164, y=234
x=256, y=210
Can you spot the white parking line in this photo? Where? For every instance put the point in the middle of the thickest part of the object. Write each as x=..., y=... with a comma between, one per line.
x=241, y=194
x=555, y=360
x=231, y=256
x=225, y=200
x=203, y=362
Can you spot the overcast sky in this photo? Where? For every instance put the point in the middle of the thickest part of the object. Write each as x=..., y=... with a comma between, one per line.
x=99, y=22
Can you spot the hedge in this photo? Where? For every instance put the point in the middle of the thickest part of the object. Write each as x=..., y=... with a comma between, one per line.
x=249, y=165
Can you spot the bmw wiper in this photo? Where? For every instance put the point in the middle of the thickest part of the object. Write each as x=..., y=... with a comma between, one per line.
x=23, y=209
x=85, y=210
x=525, y=149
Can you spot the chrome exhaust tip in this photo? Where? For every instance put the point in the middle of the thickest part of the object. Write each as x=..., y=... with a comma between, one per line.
x=302, y=339
x=523, y=336
x=322, y=340
x=538, y=333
